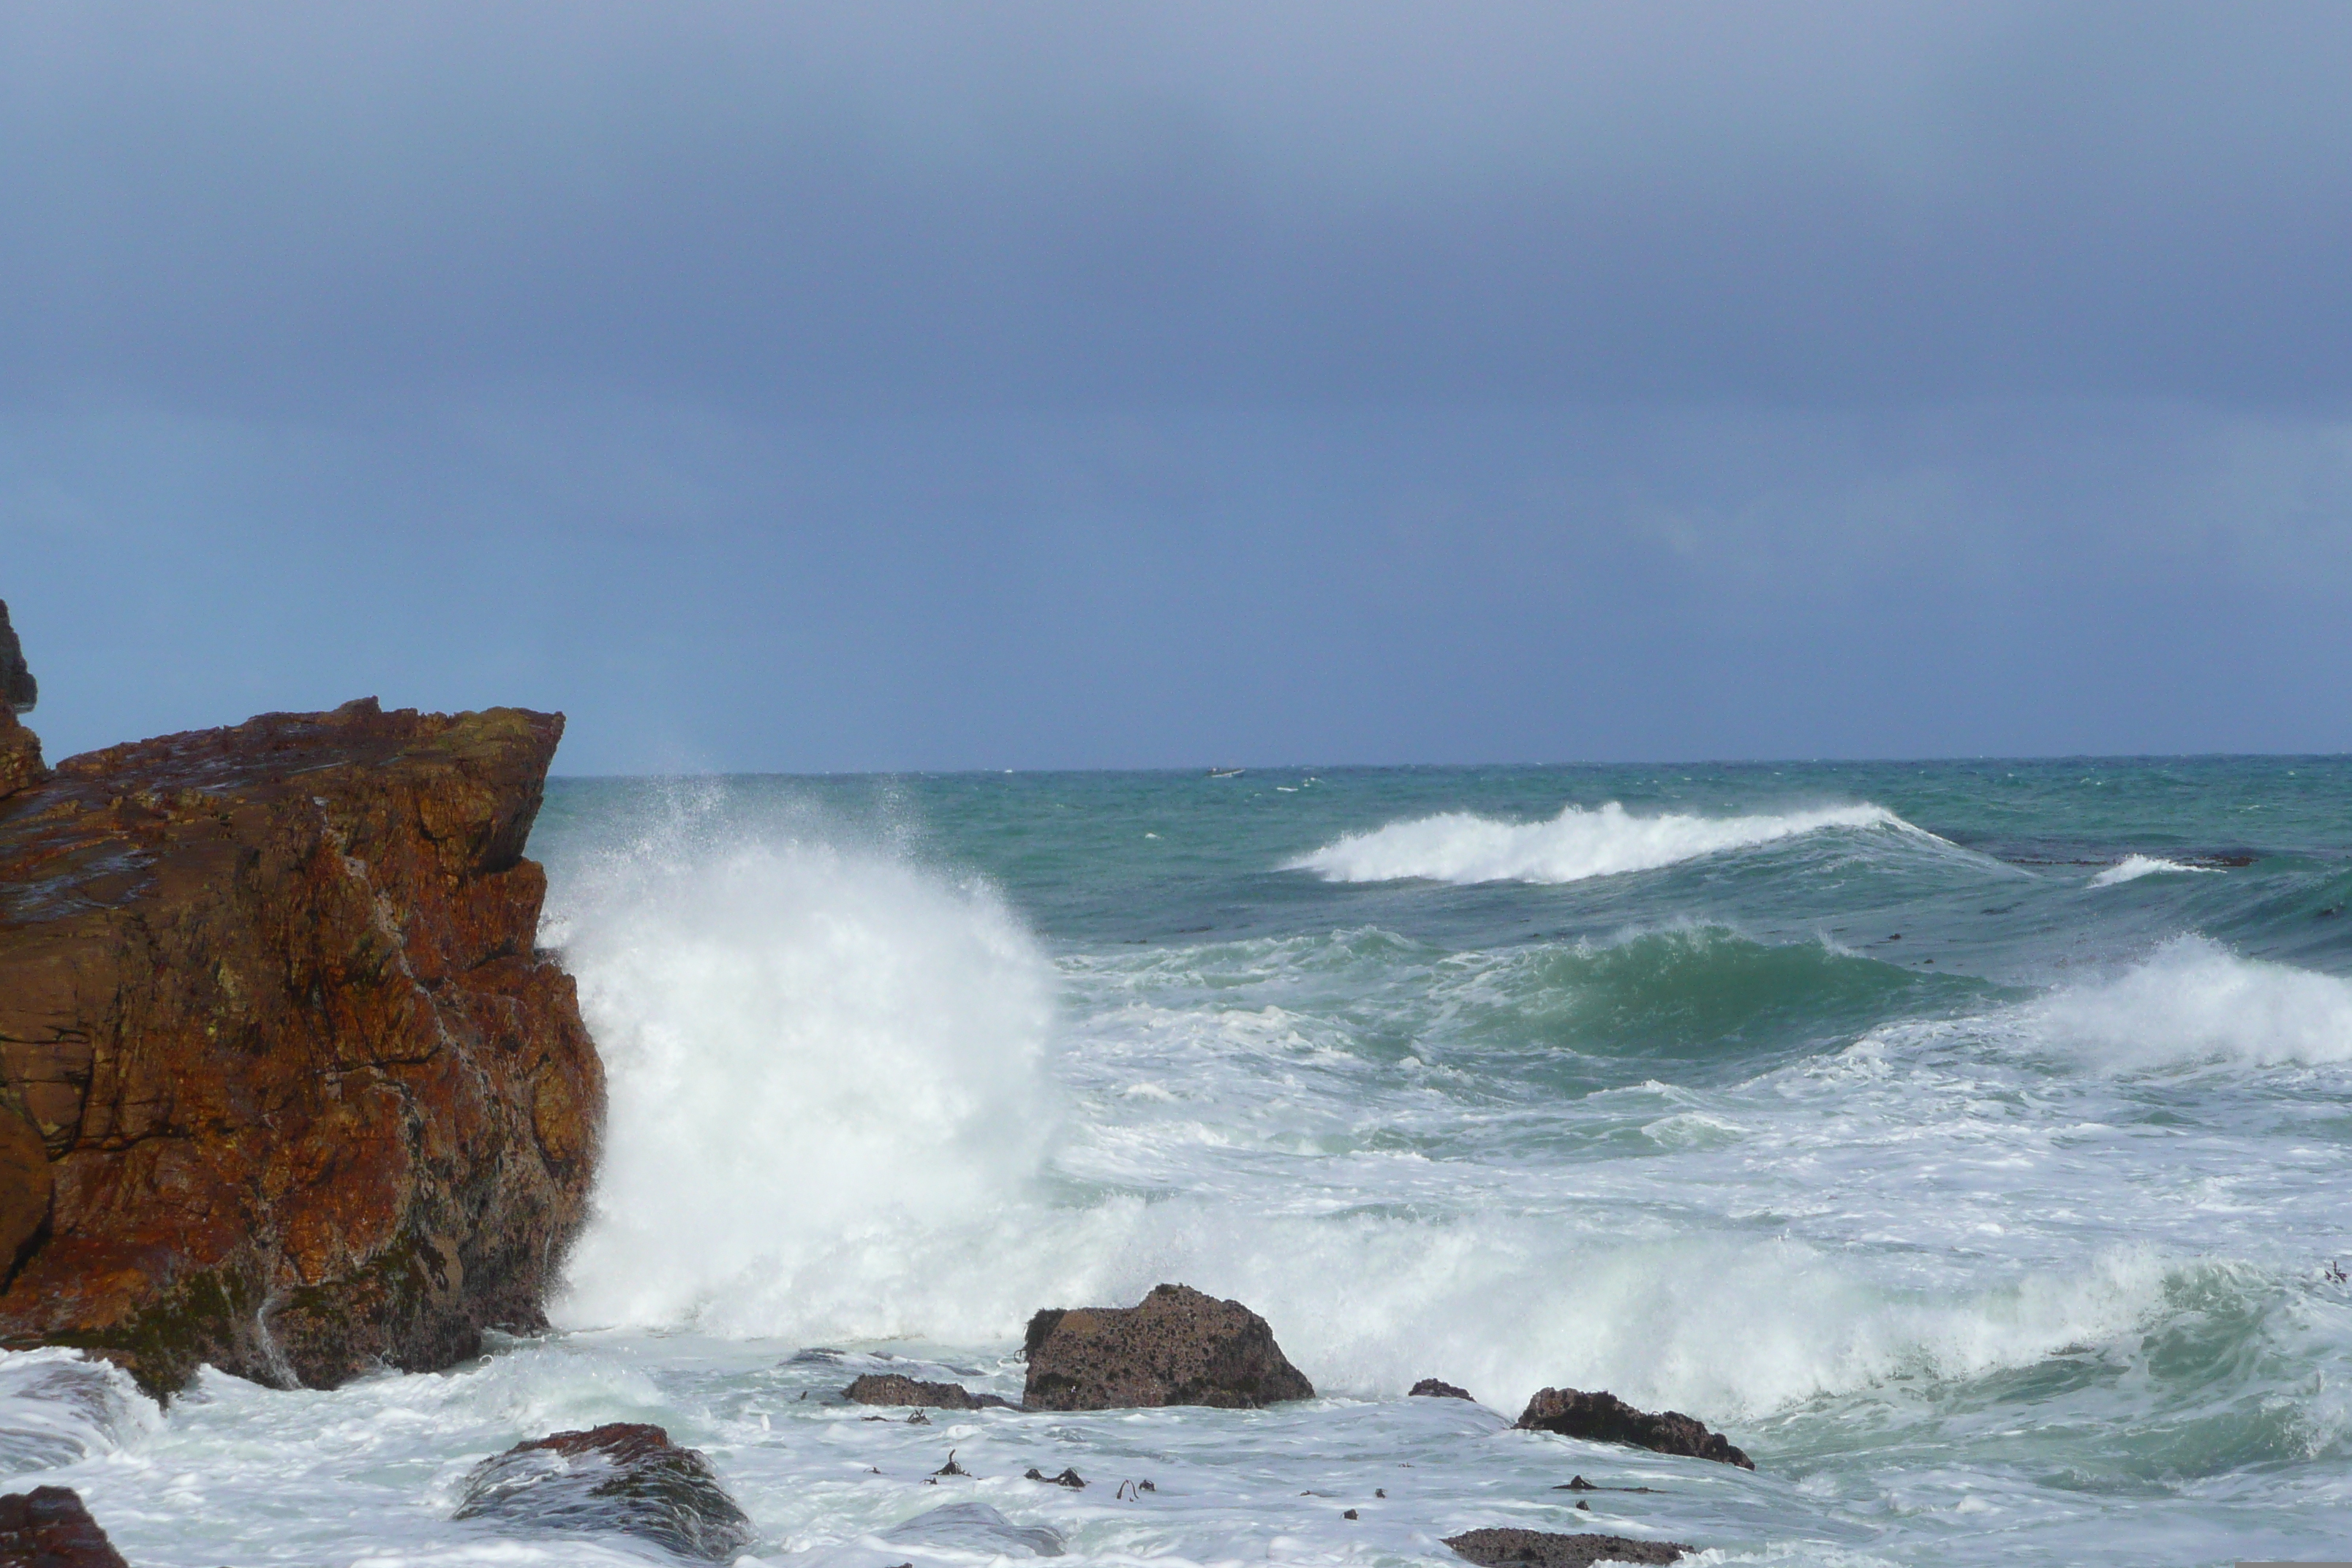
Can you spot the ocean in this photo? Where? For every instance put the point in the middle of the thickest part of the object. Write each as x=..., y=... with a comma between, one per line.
x=1968, y=1141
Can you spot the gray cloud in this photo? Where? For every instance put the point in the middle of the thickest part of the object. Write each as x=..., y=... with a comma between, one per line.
x=963, y=384
x=1066, y=204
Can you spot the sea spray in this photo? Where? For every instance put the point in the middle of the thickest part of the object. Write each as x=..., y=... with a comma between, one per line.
x=817, y=1054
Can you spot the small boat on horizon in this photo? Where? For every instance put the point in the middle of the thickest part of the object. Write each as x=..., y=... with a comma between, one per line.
x=1227, y=772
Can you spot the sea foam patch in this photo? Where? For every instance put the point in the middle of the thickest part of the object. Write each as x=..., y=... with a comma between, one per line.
x=1462, y=847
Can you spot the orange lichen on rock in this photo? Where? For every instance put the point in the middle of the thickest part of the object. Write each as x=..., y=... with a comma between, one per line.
x=310, y=1098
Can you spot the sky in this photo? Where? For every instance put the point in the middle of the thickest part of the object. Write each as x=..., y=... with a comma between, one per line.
x=879, y=385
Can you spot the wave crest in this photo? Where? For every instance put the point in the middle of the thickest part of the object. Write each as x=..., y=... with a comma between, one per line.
x=1460, y=847
x=2193, y=1000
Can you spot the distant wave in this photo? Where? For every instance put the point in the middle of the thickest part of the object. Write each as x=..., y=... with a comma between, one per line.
x=1456, y=847
x=2131, y=868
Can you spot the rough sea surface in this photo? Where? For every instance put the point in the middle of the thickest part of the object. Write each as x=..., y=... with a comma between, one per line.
x=1969, y=1142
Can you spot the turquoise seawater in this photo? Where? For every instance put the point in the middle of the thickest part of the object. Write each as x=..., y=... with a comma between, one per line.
x=1968, y=1141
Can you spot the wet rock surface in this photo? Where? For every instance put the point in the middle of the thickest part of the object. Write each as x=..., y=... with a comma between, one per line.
x=892, y=1388
x=308, y=1100
x=1550, y=1549
x=1602, y=1417
x=49, y=1528
x=1431, y=1388
x=1177, y=1346
x=626, y=1478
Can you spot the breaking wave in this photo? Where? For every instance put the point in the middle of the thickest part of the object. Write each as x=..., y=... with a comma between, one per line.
x=2132, y=867
x=1458, y=846
x=2193, y=1000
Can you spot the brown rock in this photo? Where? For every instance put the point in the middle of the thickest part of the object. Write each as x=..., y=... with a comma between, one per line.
x=20, y=755
x=627, y=1477
x=1602, y=1417
x=49, y=1528
x=890, y=1388
x=312, y=1100
x=18, y=691
x=1431, y=1388
x=1177, y=1346
x=24, y=1190
x=1547, y=1549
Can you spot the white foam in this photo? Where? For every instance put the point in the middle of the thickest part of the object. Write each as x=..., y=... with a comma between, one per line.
x=2132, y=867
x=2193, y=1000
x=1458, y=846
x=811, y=1052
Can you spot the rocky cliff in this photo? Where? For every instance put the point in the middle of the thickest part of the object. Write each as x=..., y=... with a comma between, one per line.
x=284, y=1084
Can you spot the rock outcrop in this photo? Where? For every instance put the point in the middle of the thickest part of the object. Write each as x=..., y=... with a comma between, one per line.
x=307, y=1100
x=1602, y=1417
x=1177, y=1346
x=1503, y=1548
x=49, y=1528
x=891, y=1388
x=626, y=1478
x=18, y=691
x=1434, y=1388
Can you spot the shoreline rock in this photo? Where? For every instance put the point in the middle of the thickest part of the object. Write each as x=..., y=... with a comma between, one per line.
x=624, y=1477
x=1435, y=1388
x=308, y=1100
x=1177, y=1346
x=1508, y=1548
x=50, y=1528
x=1602, y=1417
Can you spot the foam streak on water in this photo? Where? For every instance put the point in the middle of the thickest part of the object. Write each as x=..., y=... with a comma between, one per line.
x=1990, y=1211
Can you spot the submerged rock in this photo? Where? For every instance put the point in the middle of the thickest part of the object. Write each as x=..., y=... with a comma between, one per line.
x=1177, y=1346
x=1431, y=1388
x=49, y=1528
x=1549, y=1549
x=975, y=1526
x=626, y=1478
x=308, y=1100
x=892, y=1388
x=1602, y=1417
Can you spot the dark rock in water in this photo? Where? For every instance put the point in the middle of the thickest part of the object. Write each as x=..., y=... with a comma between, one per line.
x=49, y=1528
x=1431, y=1388
x=1549, y=1549
x=1069, y=1477
x=313, y=1101
x=626, y=1478
x=1602, y=1417
x=1177, y=1346
x=891, y=1388
x=975, y=1526
x=18, y=691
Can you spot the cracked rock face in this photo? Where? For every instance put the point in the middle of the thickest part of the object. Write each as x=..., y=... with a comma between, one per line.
x=306, y=1098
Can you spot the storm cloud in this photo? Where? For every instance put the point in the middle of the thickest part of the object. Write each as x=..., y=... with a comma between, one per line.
x=1026, y=385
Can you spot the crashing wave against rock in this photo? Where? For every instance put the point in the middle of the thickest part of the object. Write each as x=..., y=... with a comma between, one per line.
x=284, y=1085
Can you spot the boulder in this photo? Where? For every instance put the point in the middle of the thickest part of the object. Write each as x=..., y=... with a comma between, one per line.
x=626, y=1478
x=309, y=1099
x=1431, y=1388
x=1602, y=1417
x=1177, y=1346
x=49, y=1528
x=1503, y=1548
x=18, y=691
x=891, y=1388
